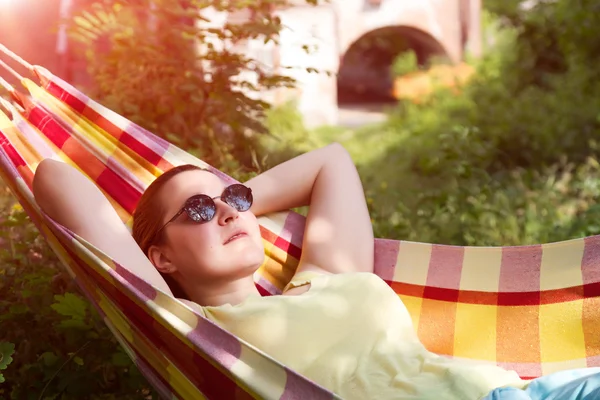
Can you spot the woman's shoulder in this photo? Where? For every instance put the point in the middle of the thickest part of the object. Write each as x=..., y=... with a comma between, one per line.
x=312, y=281
x=194, y=306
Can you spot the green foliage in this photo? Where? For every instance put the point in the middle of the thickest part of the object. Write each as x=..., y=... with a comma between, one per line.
x=512, y=158
x=53, y=345
x=166, y=65
x=6, y=351
x=405, y=63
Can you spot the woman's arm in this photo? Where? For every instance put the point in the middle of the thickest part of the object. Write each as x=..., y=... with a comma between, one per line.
x=338, y=235
x=71, y=199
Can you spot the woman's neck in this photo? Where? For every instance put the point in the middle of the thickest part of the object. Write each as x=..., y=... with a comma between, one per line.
x=218, y=294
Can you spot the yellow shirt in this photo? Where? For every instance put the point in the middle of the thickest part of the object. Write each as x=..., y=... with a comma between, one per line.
x=352, y=334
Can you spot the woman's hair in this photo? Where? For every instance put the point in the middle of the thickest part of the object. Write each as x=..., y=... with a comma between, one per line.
x=149, y=214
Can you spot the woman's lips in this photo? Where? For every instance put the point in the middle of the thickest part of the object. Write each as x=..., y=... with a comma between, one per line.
x=235, y=236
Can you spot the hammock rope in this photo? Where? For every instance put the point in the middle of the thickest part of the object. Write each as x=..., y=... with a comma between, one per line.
x=11, y=71
x=17, y=58
x=6, y=85
x=533, y=309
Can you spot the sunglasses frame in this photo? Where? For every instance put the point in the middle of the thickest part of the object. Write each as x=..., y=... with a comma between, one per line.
x=186, y=205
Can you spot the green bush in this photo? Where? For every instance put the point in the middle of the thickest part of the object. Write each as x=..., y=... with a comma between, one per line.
x=53, y=345
x=188, y=82
x=510, y=159
x=405, y=63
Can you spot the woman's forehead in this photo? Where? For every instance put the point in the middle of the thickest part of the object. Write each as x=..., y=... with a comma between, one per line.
x=188, y=183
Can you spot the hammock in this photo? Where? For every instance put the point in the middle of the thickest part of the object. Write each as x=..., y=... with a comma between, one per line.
x=534, y=309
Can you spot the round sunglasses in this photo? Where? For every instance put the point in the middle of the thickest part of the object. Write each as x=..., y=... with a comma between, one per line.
x=201, y=208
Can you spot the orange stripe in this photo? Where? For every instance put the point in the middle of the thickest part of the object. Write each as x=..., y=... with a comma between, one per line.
x=591, y=326
x=102, y=122
x=518, y=334
x=27, y=175
x=81, y=157
x=437, y=325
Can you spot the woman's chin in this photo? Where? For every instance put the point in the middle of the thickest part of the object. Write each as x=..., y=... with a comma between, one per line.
x=249, y=256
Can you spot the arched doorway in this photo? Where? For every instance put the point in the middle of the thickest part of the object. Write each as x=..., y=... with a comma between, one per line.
x=365, y=75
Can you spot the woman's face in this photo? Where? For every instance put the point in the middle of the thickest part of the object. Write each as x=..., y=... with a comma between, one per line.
x=226, y=248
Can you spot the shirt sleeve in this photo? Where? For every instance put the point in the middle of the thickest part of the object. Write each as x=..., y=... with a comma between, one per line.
x=301, y=279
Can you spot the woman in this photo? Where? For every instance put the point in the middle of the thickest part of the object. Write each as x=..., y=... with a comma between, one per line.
x=336, y=323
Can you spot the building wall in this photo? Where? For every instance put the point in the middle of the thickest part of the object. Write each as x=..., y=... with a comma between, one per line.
x=29, y=27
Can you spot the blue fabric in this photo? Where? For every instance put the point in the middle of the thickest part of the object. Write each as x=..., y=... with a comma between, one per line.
x=577, y=384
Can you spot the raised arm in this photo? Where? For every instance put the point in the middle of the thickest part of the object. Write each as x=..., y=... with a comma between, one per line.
x=338, y=235
x=71, y=199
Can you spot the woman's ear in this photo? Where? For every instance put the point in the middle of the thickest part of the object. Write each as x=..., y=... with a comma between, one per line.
x=161, y=260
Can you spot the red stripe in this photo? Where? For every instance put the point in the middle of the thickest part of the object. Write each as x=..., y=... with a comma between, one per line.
x=289, y=248
x=119, y=189
x=281, y=243
x=140, y=148
x=125, y=138
x=501, y=298
x=51, y=129
x=263, y=292
x=12, y=153
x=65, y=97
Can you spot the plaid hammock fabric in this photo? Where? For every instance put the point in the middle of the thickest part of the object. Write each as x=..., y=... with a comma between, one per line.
x=534, y=309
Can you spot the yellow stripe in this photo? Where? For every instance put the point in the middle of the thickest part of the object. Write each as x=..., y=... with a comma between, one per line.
x=561, y=331
x=475, y=340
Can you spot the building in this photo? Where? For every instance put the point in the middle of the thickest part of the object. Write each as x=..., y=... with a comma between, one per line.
x=345, y=36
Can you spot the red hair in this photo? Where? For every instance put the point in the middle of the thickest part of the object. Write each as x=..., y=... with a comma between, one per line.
x=149, y=214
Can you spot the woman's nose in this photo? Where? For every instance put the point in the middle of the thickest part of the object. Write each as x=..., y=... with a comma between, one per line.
x=225, y=212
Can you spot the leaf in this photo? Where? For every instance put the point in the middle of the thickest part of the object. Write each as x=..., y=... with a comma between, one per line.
x=7, y=349
x=74, y=323
x=70, y=305
x=120, y=359
x=18, y=309
x=78, y=360
x=49, y=358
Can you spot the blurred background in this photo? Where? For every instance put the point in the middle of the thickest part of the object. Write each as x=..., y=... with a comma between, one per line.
x=471, y=123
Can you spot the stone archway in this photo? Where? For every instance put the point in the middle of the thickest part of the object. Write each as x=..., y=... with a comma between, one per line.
x=364, y=74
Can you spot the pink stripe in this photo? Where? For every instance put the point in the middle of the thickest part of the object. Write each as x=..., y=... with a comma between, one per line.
x=593, y=361
x=520, y=269
x=218, y=344
x=33, y=138
x=267, y=286
x=528, y=370
x=136, y=284
x=300, y=388
x=293, y=229
x=386, y=258
x=148, y=139
x=590, y=264
x=445, y=266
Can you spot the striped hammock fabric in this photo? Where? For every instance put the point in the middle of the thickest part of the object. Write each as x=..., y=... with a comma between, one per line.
x=534, y=309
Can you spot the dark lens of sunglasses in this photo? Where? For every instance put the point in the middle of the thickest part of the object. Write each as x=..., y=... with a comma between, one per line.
x=238, y=197
x=200, y=208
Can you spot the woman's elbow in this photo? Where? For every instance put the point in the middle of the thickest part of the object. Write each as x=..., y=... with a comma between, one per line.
x=43, y=188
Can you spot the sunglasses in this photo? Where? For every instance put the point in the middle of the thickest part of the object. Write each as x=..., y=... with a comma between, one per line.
x=201, y=208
